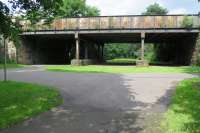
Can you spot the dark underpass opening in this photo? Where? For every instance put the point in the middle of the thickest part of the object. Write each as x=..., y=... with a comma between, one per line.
x=169, y=48
x=47, y=50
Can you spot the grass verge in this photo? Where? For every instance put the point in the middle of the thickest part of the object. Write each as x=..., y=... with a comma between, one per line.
x=123, y=69
x=12, y=66
x=183, y=115
x=20, y=101
x=121, y=61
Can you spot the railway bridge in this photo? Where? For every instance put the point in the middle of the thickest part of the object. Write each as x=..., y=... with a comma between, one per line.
x=80, y=40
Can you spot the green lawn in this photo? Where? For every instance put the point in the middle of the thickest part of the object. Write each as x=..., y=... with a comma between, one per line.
x=183, y=115
x=12, y=66
x=20, y=101
x=123, y=69
x=121, y=61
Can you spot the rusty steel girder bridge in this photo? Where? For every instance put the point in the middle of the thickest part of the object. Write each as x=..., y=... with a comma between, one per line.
x=85, y=33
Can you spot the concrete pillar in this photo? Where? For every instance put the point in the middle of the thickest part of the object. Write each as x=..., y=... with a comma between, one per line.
x=99, y=51
x=102, y=52
x=86, y=52
x=142, y=62
x=142, y=45
x=77, y=46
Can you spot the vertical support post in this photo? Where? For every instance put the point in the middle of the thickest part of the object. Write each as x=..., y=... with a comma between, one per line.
x=99, y=51
x=86, y=52
x=77, y=46
x=102, y=52
x=142, y=45
x=5, y=59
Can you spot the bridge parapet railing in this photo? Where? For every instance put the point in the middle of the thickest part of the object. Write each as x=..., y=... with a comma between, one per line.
x=117, y=22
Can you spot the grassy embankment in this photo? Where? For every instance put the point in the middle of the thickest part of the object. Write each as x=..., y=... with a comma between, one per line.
x=20, y=101
x=183, y=115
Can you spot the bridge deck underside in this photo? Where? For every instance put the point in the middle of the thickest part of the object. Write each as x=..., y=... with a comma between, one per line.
x=60, y=48
x=117, y=37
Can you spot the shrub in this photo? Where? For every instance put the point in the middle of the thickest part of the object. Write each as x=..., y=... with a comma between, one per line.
x=198, y=60
x=187, y=22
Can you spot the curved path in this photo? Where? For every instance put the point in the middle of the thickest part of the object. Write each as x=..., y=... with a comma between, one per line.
x=99, y=103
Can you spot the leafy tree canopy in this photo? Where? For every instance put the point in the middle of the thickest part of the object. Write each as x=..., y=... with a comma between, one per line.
x=75, y=8
x=155, y=9
x=32, y=10
x=5, y=20
x=35, y=10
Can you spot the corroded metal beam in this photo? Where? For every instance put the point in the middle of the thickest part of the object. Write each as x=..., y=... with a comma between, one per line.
x=116, y=23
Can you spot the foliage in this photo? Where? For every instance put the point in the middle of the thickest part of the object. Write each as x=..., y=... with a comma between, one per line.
x=183, y=115
x=122, y=69
x=125, y=50
x=187, y=22
x=35, y=10
x=75, y=8
x=20, y=101
x=155, y=9
x=121, y=50
x=149, y=53
x=29, y=9
x=5, y=20
x=15, y=30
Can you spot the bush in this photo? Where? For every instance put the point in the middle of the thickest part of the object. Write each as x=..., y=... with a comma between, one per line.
x=198, y=60
x=187, y=22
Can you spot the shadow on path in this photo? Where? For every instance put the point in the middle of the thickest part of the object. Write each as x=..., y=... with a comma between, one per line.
x=100, y=103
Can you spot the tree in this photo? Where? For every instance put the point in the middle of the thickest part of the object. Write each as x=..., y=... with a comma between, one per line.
x=76, y=8
x=155, y=9
x=92, y=11
x=32, y=10
x=35, y=10
x=5, y=20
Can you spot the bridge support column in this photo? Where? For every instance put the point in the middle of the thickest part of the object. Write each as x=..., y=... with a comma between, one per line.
x=77, y=46
x=102, y=52
x=86, y=60
x=86, y=52
x=99, y=52
x=77, y=61
x=142, y=47
x=142, y=62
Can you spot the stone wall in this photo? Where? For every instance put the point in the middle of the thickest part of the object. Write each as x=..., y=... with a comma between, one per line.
x=11, y=52
x=196, y=56
x=25, y=53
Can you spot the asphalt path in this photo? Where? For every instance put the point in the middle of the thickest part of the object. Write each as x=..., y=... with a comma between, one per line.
x=99, y=102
